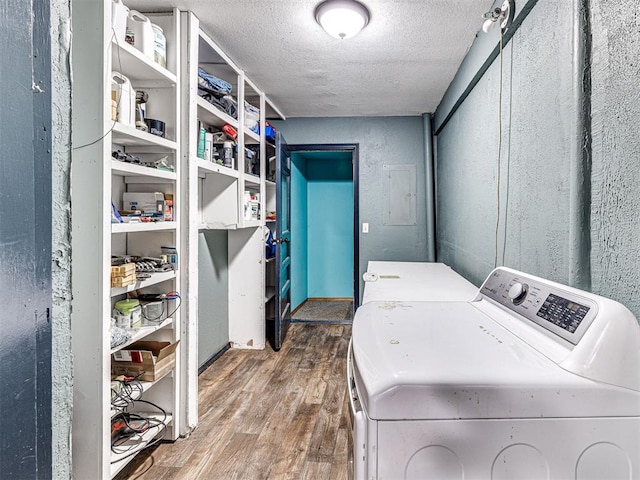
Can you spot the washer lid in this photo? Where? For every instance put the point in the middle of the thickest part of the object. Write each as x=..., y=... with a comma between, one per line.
x=417, y=282
x=449, y=360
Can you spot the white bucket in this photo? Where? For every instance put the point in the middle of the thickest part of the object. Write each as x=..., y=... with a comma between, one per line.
x=159, y=46
x=119, y=15
x=140, y=32
x=125, y=98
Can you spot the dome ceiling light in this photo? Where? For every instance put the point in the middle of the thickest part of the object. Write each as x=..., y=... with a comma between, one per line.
x=342, y=18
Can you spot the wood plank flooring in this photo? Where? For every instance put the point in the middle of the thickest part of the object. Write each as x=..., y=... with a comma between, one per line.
x=265, y=415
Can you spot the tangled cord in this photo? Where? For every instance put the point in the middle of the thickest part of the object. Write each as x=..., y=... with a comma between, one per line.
x=126, y=426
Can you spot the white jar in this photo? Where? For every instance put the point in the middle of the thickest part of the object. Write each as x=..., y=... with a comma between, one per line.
x=159, y=46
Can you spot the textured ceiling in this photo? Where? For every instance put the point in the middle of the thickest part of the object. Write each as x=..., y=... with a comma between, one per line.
x=400, y=64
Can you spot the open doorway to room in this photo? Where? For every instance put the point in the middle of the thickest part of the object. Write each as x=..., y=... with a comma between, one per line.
x=324, y=233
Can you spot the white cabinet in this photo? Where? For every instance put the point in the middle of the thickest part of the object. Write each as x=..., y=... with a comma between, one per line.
x=99, y=181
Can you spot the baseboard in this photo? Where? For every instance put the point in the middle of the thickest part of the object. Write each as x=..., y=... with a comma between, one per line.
x=215, y=357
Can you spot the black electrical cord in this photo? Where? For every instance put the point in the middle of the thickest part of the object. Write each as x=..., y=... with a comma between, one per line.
x=130, y=391
x=113, y=125
x=117, y=445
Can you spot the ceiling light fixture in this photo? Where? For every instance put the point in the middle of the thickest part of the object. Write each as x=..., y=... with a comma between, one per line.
x=342, y=18
x=502, y=15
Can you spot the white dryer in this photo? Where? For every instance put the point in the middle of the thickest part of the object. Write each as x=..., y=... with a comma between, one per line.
x=531, y=379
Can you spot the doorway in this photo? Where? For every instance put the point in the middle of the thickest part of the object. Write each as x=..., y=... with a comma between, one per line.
x=324, y=233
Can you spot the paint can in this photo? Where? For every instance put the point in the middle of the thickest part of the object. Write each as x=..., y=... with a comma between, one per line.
x=128, y=313
x=156, y=127
x=153, y=312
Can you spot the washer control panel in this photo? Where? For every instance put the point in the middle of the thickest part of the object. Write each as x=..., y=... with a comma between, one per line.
x=559, y=311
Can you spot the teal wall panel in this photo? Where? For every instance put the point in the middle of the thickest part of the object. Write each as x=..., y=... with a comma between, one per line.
x=299, y=284
x=330, y=228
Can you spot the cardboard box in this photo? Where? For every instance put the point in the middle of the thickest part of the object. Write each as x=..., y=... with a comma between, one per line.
x=155, y=359
x=145, y=202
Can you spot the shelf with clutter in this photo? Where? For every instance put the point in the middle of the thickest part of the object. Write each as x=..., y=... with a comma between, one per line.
x=128, y=131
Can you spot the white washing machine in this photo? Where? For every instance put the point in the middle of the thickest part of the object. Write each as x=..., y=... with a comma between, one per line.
x=414, y=281
x=531, y=379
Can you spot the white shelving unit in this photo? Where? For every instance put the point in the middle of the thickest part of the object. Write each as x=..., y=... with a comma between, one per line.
x=97, y=181
x=215, y=194
x=206, y=196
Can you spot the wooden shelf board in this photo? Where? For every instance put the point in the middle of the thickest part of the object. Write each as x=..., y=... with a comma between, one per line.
x=142, y=332
x=137, y=443
x=154, y=280
x=139, y=68
x=129, y=136
x=217, y=226
x=248, y=178
x=205, y=168
x=269, y=293
x=133, y=170
x=252, y=136
x=137, y=227
x=212, y=115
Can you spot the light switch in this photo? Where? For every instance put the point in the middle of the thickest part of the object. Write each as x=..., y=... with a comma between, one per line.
x=365, y=228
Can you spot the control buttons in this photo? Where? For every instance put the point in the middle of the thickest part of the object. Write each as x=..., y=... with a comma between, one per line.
x=518, y=292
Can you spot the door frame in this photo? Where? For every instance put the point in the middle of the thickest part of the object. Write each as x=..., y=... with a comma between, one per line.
x=354, y=149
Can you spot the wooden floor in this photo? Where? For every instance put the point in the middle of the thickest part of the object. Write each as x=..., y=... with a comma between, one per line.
x=266, y=415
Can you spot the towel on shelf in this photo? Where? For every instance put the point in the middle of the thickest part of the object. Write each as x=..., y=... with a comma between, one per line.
x=211, y=82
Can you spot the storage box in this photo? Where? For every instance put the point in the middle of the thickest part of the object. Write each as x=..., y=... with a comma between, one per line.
x=155, y=359
x=145, y=202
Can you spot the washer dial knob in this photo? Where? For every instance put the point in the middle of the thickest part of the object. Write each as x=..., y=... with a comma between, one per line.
x=518, y=292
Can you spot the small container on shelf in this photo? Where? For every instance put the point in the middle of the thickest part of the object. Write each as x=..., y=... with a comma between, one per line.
x=128, y=313
x=140, y=33
x=159, y=46
x=171, y=255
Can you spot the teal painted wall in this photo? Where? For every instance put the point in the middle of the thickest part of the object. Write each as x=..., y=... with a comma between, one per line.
x=321, y=226
x=381, y=140
x=299, y=284
x=330, y=227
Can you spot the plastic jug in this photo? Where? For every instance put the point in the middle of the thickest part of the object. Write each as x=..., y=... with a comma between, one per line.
x=119, y=15
x=140, y=32
x=125, y=99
